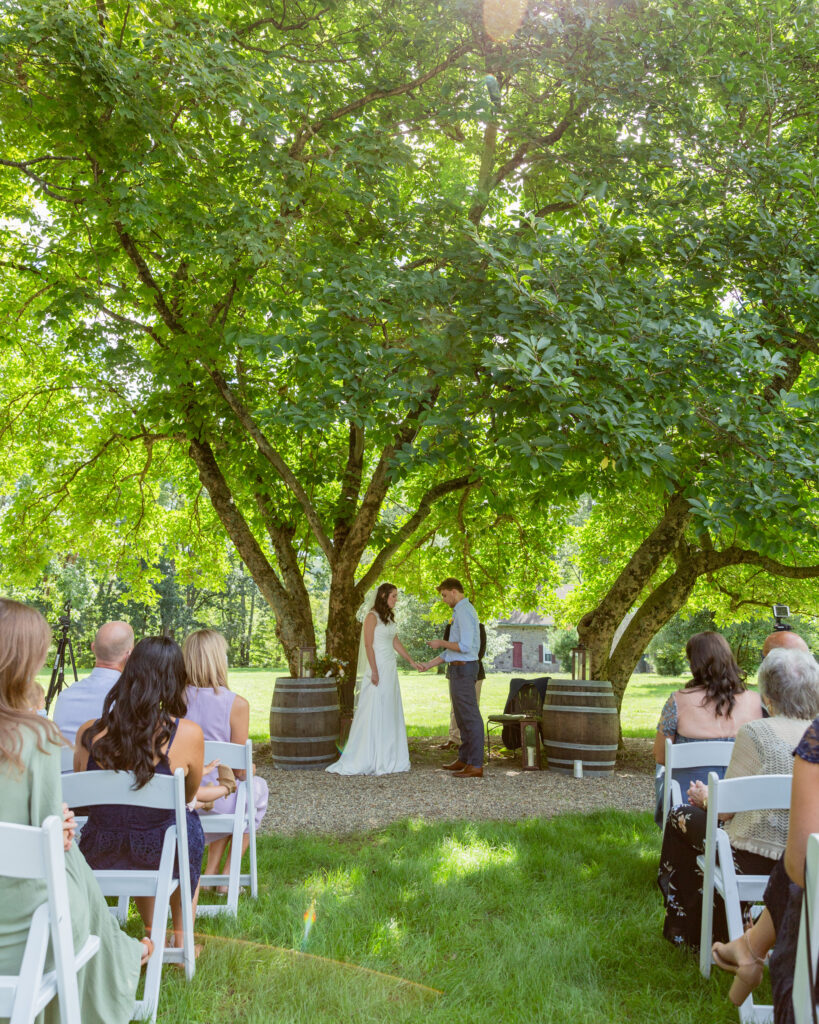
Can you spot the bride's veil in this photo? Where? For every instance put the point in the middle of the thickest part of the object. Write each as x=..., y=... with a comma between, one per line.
x=362, y=664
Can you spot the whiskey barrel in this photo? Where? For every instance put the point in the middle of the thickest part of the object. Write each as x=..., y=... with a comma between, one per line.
x=580, y=723
x=304, y=723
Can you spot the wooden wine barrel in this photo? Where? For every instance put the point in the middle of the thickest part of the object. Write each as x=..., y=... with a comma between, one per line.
x=304, y=723
x=580, y=723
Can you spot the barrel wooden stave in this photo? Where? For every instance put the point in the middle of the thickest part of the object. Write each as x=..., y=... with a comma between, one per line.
x=304, y=722
x=580, y=723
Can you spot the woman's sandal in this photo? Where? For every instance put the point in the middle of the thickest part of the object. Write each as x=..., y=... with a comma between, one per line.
x=148, y=951
x=748, y=973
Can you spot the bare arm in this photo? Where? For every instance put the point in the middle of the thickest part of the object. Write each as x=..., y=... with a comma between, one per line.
x=239, y=726
x=188, y=751
x=396, y=643
x=659, y=747
x=369, y=632
x=804, y=817
x=80, y=753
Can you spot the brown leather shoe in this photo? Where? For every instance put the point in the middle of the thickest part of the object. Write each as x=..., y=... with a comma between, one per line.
x=456, y=766
x=470, y=771
x=449, y=745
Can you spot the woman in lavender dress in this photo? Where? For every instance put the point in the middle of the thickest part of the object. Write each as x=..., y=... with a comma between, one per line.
x=222, y=715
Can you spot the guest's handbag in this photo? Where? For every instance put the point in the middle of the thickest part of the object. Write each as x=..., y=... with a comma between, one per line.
x=227, y=779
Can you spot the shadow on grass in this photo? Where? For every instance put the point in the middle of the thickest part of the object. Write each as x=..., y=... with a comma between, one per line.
x=556, y=920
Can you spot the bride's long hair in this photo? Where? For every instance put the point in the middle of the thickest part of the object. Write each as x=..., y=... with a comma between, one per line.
x=380, y=606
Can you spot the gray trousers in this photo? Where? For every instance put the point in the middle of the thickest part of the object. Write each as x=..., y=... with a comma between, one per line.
x=462, y=680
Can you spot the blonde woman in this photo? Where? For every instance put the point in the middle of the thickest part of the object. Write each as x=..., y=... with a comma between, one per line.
x=30, y=781
x=222, y=715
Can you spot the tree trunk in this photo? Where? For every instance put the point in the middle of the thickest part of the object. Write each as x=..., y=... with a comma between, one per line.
x=344, y=629
x=597, y=628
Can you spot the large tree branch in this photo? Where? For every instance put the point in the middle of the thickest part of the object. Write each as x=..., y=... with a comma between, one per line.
x=146, y=277
x=371, y=97
x=410, y=526
x=236, y=526
x=244, y=417
x=24, y=167
x=350, y=486
x=365, y=519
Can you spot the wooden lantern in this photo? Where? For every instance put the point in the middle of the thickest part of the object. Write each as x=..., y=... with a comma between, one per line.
x=307, y=659
x=579, y=662
x=530, y=745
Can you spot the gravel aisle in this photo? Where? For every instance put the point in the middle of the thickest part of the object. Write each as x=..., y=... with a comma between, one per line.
x=314, y=801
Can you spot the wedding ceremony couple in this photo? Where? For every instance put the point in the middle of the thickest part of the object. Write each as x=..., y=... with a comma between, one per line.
x=377, y=744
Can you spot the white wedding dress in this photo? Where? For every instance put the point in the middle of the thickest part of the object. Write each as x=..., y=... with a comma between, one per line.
x=378, y=737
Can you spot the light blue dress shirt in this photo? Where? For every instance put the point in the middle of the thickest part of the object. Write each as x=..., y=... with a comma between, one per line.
x=83, y=701
x=464, y=632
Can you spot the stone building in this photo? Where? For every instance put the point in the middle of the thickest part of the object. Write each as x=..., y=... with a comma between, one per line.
x=528, y=649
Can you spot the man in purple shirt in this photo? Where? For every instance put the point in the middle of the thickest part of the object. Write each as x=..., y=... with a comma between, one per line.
x=460, y=652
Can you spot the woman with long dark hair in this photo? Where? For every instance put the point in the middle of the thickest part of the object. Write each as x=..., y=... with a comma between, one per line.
x=377, y=744
x=30, y=778
x=712, y=705
x=143, y=730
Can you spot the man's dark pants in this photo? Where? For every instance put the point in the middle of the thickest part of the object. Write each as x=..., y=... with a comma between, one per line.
x=467, y=715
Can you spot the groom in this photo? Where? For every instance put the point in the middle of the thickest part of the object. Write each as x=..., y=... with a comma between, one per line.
x=460, y=652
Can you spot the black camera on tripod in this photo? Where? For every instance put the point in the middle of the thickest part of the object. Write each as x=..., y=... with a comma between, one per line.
x=63, y=644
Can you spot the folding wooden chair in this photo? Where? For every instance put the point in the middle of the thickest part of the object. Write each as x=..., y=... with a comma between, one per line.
x=684, y=757
x=31, y=853
x=728, y=796
x=233, y=755
x=805, y=1006
x=166, y=793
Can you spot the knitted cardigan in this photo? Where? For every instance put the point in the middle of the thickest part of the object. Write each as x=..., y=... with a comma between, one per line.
x=763, y=747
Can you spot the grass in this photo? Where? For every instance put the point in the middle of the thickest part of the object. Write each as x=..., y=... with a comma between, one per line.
x=426, y=700
x=540, y=920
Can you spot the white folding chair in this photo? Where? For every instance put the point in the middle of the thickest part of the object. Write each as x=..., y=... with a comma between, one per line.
x=31, y=853
x=162, y=792
x=728, y=796
x=684, y=757
x=233, y=755
x=805, y=1007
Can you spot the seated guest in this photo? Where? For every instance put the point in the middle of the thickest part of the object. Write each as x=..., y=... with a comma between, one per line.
x=82, y=701
x=223, y=716
x=777, y=927
x=142, y=730
x=712, y=706
x=789, y=683
x=30, y=775
x=784, y=638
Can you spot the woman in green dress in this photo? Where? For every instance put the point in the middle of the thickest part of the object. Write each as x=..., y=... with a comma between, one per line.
x=30, y=788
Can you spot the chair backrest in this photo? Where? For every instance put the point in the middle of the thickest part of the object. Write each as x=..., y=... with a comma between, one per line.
x=530, y=699
x=684, y=756
x=162, y=792
x=66, y=759
x=730, y=796
x=233, y=755
x=37, y=853
x=805, y=1008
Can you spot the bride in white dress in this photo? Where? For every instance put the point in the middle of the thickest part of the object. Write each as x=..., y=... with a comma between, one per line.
x=377, y=744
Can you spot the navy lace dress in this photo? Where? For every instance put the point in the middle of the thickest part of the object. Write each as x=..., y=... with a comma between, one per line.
x=783, y=898
x=118, y=836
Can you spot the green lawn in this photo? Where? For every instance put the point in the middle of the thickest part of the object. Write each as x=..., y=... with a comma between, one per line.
x=426, y=700
x=556, y=921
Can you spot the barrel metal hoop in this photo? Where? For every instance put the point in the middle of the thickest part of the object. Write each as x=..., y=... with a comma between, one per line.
x=580, y=682
x=580, y=707
x=304, y=739
x=295, y=759
x=276, y=710
x=579, y=747
x=576, y=693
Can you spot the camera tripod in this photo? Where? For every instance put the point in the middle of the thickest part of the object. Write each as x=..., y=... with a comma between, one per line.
x=58, y=671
